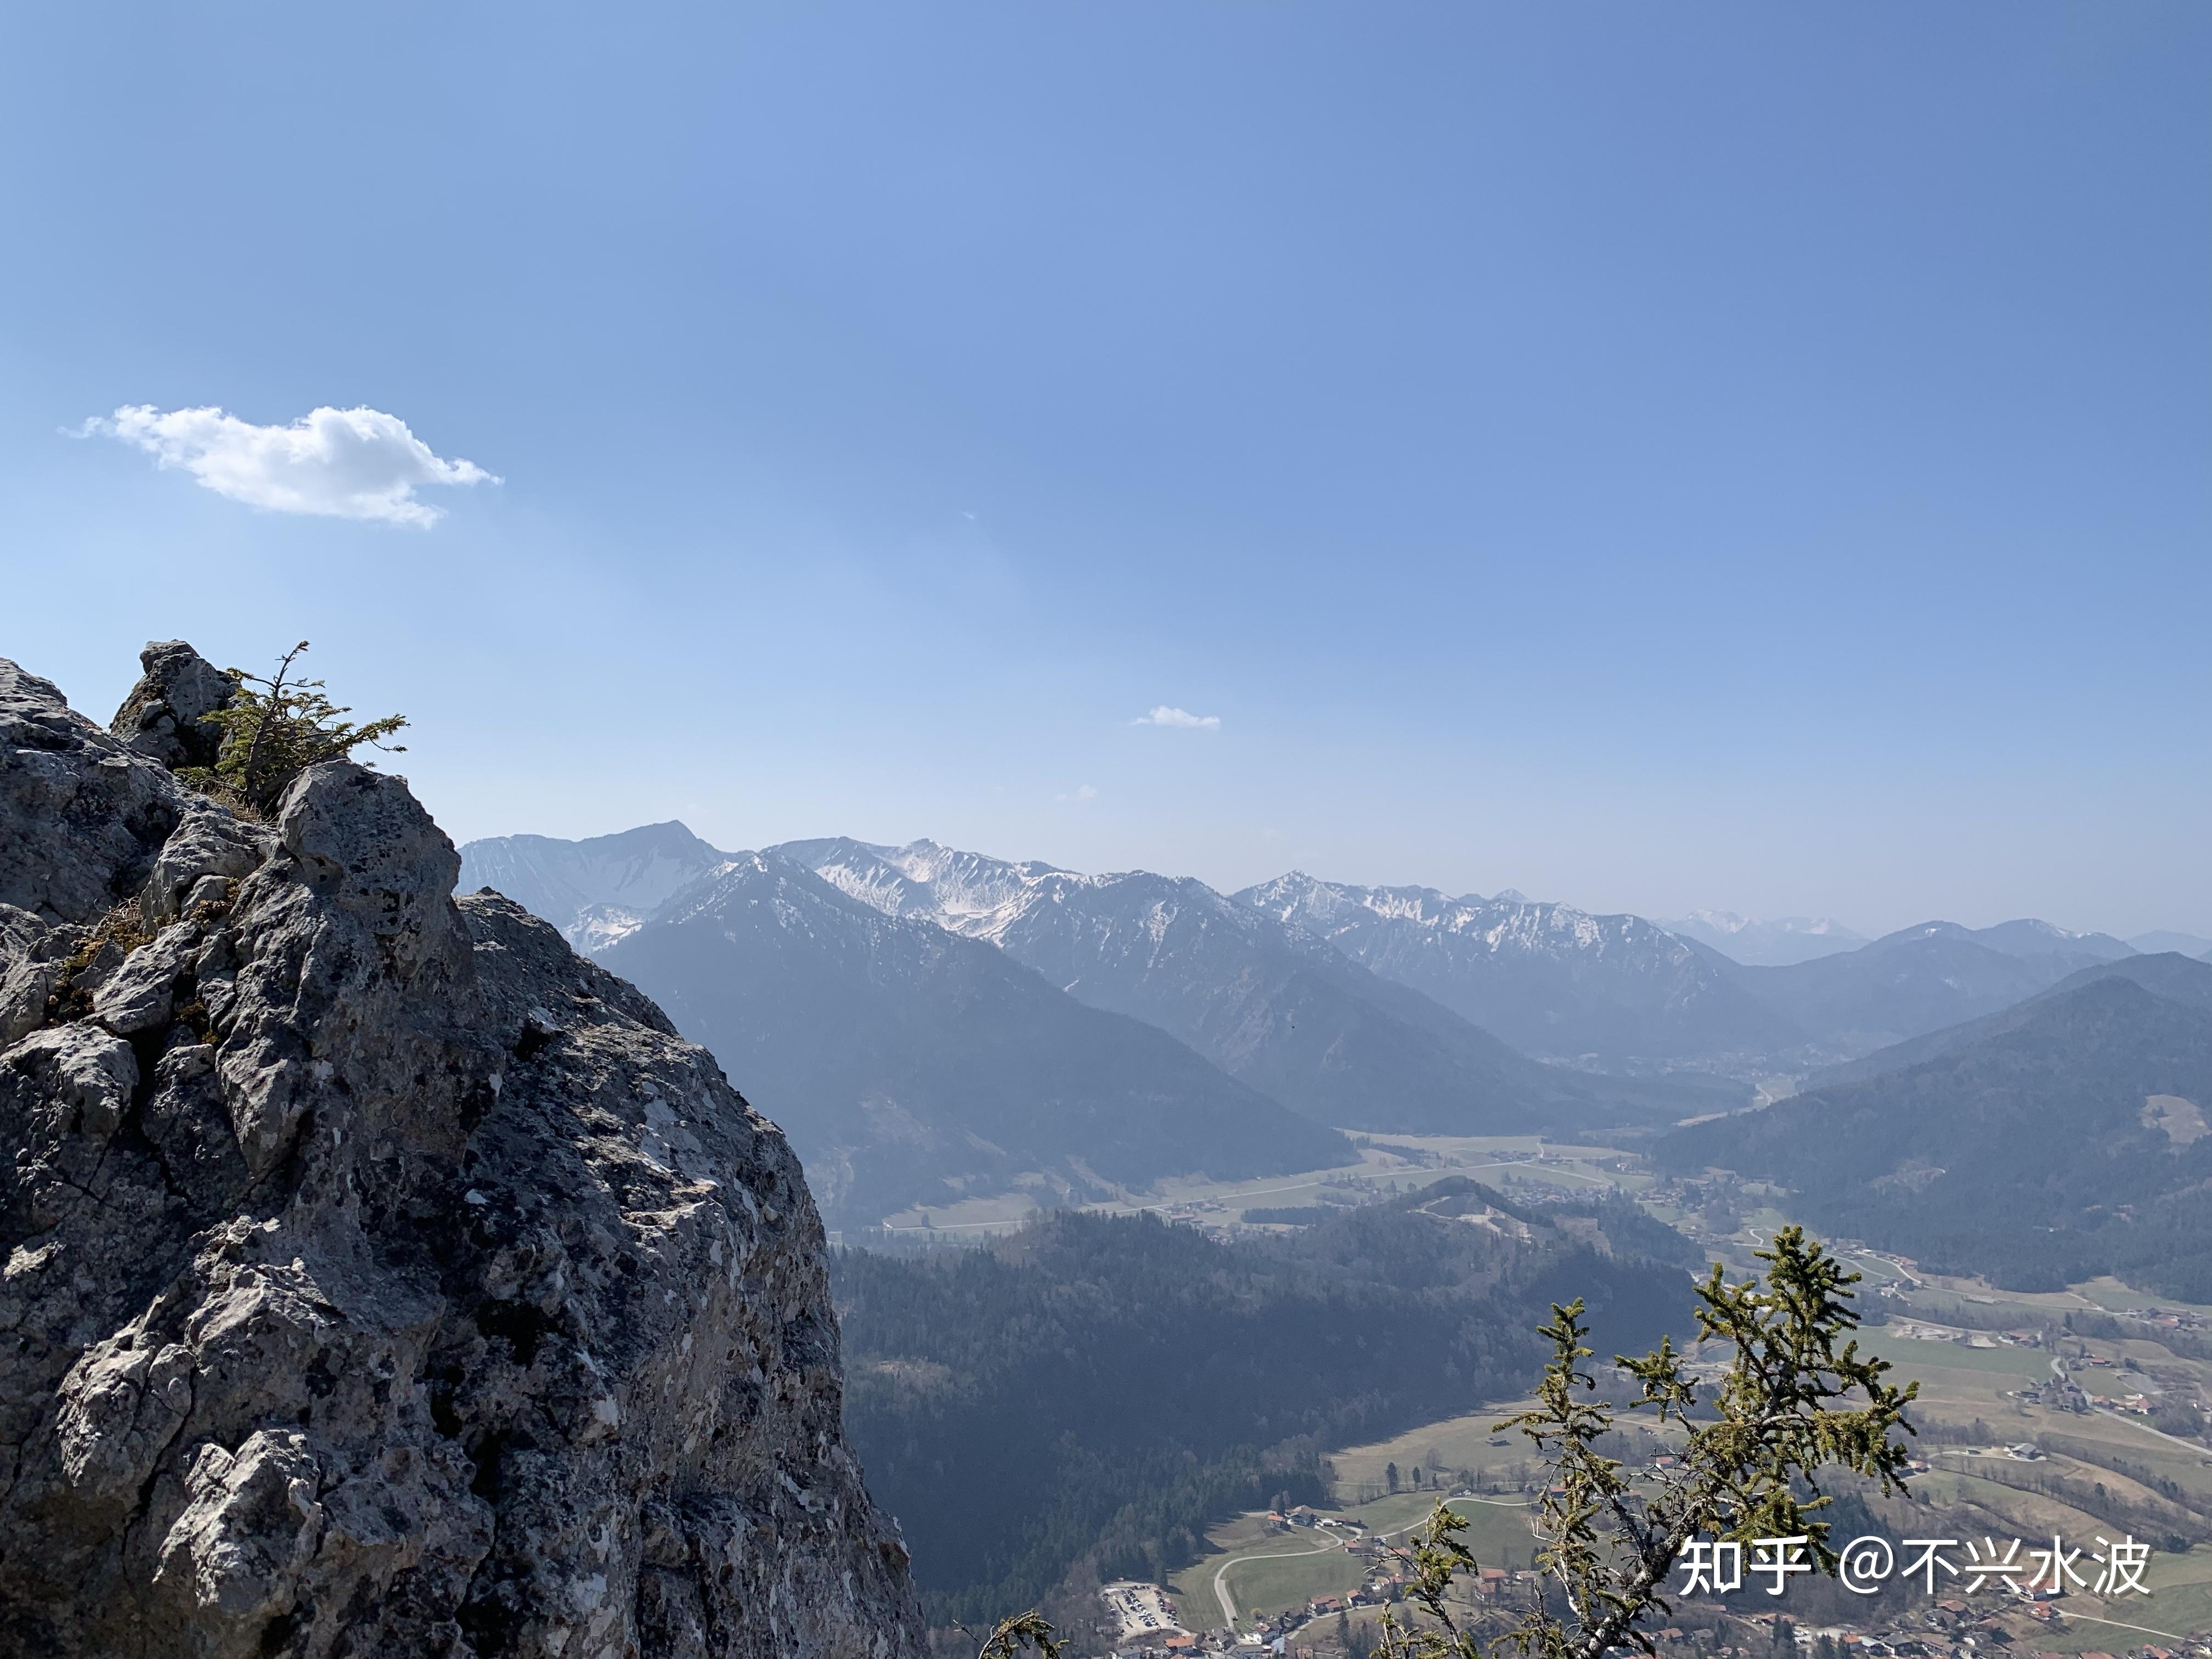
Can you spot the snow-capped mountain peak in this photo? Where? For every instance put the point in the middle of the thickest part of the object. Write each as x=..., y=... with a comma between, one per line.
x=1547, y=977
x=596, y=891
x=966, y=893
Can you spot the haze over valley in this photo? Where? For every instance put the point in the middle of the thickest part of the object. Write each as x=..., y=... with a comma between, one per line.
x=935, y=1027
x=1113, y=831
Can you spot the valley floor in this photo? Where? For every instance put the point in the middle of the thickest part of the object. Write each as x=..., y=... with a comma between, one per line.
x=1392, y=1163
x=1997, y=1370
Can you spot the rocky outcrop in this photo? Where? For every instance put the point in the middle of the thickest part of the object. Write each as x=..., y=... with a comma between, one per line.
x=379, y=1278
x=165, y=716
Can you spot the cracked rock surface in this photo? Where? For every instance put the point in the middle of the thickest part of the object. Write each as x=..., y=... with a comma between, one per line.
x=379, y=1278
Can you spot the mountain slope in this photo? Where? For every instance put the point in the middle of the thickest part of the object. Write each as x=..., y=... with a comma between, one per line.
x=2163, y=940
x=2069, y=1141
x=909, y=1065
x=2176, y=978
x=1918, y=980
x=1108, y=1386
x=1547, y=978
x=1268, y=1003
x=595, y=891
x=2030, y=939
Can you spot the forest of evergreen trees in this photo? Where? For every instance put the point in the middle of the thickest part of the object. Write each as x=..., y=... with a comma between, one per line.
x=1093, y=1391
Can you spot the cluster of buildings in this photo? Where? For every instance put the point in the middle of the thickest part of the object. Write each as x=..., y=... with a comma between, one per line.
x=1949, y=1629
x=2062, y=1392
x=2170, y=1319
x=1916, y=1330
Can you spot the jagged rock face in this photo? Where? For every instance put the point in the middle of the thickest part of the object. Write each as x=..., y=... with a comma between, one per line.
x=83, y=817
x=165, y=716
x=380, y=1279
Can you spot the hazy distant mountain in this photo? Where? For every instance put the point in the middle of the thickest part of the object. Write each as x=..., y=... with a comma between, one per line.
x=2051, y=1144
x=1548, y=978
x=1775, y=943
x=1270, y=1003
x=596, y=890
x=2169, y=975
x=909, y=1065
x=1922, y=979
x=2030, y=937
x=2189, y=945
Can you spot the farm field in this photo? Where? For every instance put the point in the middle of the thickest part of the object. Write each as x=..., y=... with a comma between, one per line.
x=1482, y=1157
x=2179, y=1605
x=1458, y=1443
x=1918, y=1358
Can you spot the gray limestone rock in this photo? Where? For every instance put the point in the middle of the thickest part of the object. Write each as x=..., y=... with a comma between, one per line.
x=208, y=846
x=164, y=718
x=33, y=957
x=379, y=1278
x=82, y=817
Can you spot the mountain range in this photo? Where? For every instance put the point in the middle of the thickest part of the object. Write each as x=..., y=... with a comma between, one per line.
x=1548, y=978
x=1918, y=980
x=2045, y=1144
x=931, y=1023
x=1269, y=1003
x=910, y=1066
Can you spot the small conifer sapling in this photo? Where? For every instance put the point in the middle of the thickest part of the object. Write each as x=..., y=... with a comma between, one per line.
x=274, y=728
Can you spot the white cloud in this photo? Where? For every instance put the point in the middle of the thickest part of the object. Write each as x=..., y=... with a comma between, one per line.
x=339, y=463
x=1082, y=791
x=1164, y=715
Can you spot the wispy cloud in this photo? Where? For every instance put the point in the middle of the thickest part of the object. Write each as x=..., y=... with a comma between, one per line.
x=337, y=462
x=1164, y=715
x=1081, y=792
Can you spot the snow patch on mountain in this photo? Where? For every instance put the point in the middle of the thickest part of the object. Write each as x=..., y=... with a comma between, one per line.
x=595, y=891
x=1549, y=978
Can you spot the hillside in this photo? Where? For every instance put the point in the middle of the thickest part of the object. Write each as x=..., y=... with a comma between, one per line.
x=1270, y=1003
x=1098, y=1389
x=909, y=1065
x=2176, y=978
x=1922, y=979
x=2061, y=1142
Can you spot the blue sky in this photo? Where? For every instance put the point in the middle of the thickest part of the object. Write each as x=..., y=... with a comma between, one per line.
x=1647, y=456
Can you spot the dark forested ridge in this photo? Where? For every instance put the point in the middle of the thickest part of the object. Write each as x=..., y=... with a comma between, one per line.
x=1097, y=1389
x=2062, y=1141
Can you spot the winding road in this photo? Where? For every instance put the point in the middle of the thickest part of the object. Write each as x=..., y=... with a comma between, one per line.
x=2059, y=1370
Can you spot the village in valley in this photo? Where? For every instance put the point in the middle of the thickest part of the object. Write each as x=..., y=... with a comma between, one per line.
x=2079, y=1414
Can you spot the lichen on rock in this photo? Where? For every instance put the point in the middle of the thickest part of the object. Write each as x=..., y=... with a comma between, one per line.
x=379, y=1278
